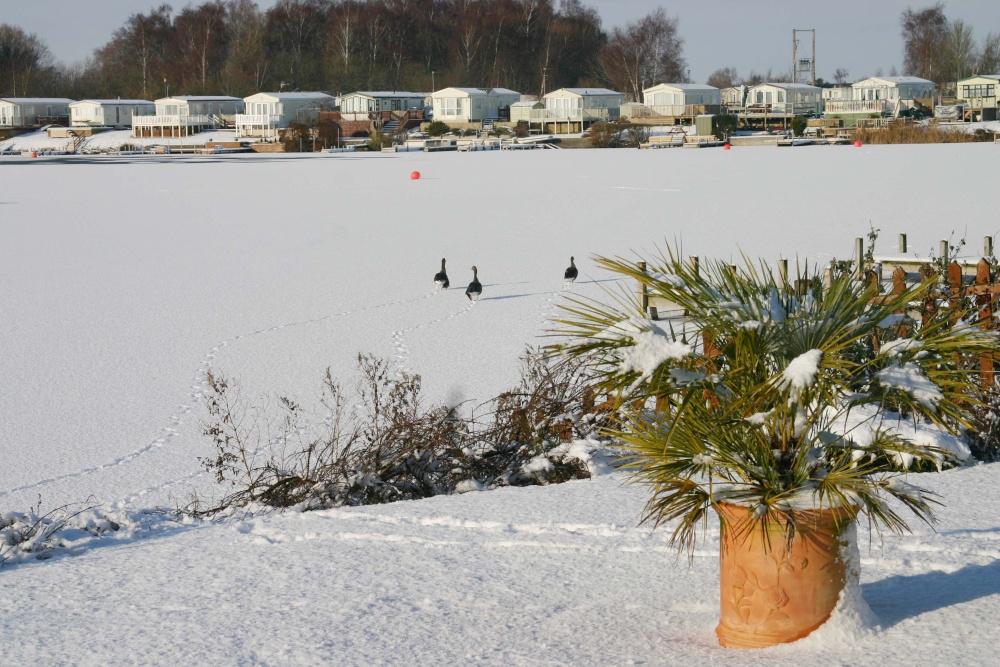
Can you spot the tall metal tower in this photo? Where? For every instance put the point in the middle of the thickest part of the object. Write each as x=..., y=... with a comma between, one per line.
x=803, y=67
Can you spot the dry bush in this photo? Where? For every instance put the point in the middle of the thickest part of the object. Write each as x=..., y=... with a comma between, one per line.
x=984, y=438
x=900, y=133
x=380, y=443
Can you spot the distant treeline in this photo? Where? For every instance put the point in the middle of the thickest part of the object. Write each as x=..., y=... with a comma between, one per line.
x=233, y=47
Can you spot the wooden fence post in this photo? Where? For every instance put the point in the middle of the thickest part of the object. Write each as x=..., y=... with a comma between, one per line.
x=930, y=301
x=644, y=296
x=859, y=257
x=783, y=273
x=985, y=303
x=955, y=289
x=902, y=244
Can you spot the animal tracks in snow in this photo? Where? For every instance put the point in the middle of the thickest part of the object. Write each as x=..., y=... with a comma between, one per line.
x=170, y=432
x=398, y=337
x=445, y=531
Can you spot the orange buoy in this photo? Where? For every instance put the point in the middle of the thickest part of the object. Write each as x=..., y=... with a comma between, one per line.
x=727, y=147
x=34, y=154
x=857, y=144
x=415, y=176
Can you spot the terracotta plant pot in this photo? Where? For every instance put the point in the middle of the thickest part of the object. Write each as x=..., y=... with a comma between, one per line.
x=772, y=593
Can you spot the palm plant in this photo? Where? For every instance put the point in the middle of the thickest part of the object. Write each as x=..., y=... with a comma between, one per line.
x=777, y=397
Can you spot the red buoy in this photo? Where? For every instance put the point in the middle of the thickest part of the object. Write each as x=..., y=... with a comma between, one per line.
x=415, y=176
x=727, y=147
x=857, y=144
x=34, y=154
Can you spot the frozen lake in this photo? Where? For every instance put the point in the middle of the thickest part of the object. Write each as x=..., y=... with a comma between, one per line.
x=123, y=280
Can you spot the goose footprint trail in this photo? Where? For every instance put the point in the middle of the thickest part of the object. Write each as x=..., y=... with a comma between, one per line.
x=550, y=308
x=399, y=343
x=171, y=431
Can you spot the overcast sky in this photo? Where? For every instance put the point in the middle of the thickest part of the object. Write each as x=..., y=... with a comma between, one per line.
x=858, y=35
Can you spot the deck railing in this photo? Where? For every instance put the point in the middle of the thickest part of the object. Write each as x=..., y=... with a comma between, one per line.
x=257, y=119
x=572, y=115
x=160, y=121
x=684, y=109
x=857, y=106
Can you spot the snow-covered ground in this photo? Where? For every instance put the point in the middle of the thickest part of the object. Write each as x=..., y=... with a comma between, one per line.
x=123, y=279
x=111, y=140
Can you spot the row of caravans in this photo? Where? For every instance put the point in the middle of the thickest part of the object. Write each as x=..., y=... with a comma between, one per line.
x=568, y=109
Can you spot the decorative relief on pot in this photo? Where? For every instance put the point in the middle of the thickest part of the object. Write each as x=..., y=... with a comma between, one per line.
x=772, y=592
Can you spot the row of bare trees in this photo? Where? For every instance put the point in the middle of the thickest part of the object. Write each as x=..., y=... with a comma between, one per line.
x=233, y=47
x=24, y=59
x=944, y=50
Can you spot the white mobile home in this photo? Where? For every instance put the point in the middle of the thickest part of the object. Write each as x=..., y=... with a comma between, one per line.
x=367, y=101
x=733, y=97
x=472, y=105
x=575, y=109
x=184, y=115
x=784, y=99
x=682, y=99
x=893, y=88
x=521, y=111
x=267, y=113
x=108, y=113
x=980, y=94
x=882, y=95
x=26, y=112
x=843, y=92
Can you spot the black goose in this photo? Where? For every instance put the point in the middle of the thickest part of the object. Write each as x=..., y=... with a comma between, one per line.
x=475, y=288
x=571, y=272
x=441, y=278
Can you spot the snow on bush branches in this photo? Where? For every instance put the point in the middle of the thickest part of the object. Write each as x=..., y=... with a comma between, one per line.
x=382, y=444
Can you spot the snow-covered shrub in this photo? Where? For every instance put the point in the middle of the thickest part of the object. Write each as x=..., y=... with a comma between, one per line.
x=776, y=396
x=26, y=535
x=984, y=437
x=380, y=443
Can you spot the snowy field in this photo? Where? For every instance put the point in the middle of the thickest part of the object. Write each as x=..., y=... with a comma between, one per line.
x=123, y=279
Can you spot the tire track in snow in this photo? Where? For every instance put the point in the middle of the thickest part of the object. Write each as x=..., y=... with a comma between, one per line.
x=198, y=390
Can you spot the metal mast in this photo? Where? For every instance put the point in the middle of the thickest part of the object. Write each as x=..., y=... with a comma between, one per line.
x=806, y=66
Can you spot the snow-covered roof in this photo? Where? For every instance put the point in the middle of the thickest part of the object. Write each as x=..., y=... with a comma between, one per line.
x=202, y=98
x=894, y=80
x=525, y=103
x=292, y=96
x=36, y=100
x=787, y=86
x=683, y=86
x=126, y=103
x=384, y=93
x=982, y=76
x=477, y=91
x=586, y=91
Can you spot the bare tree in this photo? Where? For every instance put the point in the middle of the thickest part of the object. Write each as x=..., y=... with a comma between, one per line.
x=135, y=59
x=199, y=46
x=245, y=67
x=924, y=34
x=724, y=77
x=989, y=55
x=644, y=53
x=22, y=58
x=840, y=76
x=959, y=51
